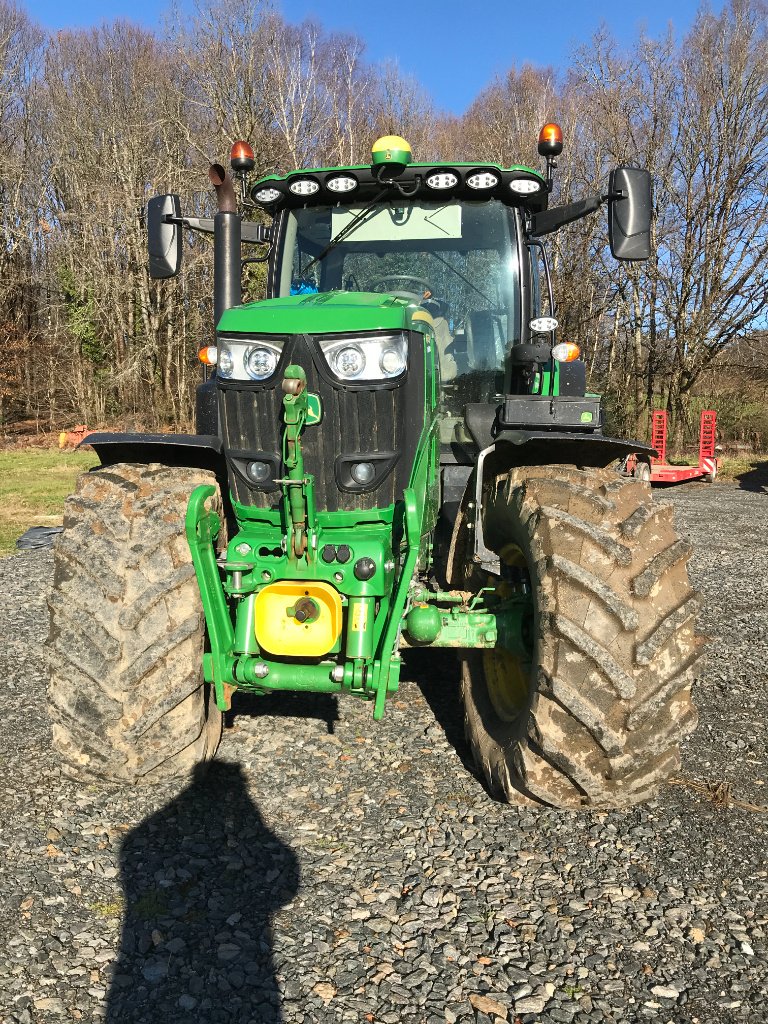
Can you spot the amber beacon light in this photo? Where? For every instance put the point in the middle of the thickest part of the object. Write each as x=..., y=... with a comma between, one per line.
x=241, y=157
x=551, y=140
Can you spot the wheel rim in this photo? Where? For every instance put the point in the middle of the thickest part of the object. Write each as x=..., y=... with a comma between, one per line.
x=508, y=680
x=507, y=674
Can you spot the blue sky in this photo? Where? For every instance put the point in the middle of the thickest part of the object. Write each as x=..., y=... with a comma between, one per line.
x=453, y=48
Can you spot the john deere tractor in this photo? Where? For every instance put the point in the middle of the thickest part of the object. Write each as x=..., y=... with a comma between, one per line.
x=394, y=450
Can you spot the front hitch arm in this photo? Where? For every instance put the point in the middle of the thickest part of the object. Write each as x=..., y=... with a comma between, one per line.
x=202, y=528
x=297, y=489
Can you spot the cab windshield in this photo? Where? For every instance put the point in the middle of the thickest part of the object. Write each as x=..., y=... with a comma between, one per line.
x=457, y=259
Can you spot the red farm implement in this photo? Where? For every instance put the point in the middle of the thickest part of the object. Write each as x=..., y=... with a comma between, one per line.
x=659, y=471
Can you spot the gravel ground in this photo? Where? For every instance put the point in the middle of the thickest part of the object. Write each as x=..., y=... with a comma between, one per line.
x=332, y=869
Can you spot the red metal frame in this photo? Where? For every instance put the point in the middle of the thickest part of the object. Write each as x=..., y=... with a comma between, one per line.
x=661, y=472
x=659, y=436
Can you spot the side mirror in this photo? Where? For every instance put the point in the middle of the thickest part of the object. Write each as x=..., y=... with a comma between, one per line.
x=629, y=213
x=164, y=242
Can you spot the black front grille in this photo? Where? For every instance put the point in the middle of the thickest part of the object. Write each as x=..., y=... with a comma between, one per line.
x=355, y=420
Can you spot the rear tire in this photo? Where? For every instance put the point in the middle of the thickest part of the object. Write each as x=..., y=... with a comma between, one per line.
x=608, y=691
x=126, y=694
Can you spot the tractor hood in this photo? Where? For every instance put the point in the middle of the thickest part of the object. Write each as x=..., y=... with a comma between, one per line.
x=326, y=313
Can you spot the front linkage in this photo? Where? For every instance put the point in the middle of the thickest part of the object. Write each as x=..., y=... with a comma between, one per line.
x=287, y=608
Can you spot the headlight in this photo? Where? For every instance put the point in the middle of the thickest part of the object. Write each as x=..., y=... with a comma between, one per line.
x=442, y=179
x=483, y=179
x=393, y=360
x=348, y=361
x=341, y=183
x=376, y=357
x=524, y=186
x=260, y=362
x=304, y=187
x=248, y=358
x=267, y=195
x=225, y=363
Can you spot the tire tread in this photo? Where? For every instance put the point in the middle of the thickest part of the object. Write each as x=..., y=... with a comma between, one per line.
x=126, y=636
x=613, y=698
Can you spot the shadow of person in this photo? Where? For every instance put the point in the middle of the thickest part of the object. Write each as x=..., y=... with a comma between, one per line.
x=202, y=878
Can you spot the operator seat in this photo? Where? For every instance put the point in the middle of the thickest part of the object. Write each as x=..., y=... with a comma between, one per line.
x=443, y=338
x=486, y=340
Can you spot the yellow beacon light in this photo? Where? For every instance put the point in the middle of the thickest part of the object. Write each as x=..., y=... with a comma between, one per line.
x=391, y=151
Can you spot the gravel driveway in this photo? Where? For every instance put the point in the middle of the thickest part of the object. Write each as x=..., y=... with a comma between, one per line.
x=331, y=869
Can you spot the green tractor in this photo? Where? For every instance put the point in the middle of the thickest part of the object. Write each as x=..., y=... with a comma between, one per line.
x=394, y=450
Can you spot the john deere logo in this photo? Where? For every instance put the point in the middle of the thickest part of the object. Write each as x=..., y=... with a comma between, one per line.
x=314, y=409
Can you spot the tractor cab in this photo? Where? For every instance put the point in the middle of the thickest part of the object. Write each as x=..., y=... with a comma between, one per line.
x=447, y=239
x=456, y=260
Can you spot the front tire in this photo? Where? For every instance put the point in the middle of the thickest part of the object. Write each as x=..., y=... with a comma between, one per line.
x=606, y=692
x=126, y=695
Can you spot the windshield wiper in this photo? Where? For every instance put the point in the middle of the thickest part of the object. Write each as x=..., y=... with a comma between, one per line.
x=459, y=274
x=345, y=231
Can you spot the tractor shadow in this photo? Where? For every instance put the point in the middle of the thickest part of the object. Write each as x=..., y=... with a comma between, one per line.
x=755, y=479
x=202, y=878
x=322, y=706
x=438, y=676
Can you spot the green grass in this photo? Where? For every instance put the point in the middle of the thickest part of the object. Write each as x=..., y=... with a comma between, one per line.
x=108, y=910
x=731, y=468
x=33, y=485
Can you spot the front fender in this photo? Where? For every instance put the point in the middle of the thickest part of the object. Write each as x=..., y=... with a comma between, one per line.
x=528, y=446
x=193, y=451
x=531, y=448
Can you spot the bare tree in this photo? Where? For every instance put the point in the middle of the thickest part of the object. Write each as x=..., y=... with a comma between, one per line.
x=222, y=55
x=696, y=116
x=107, y=92
x=21, y=228
x=503, y=123
x=714, y=284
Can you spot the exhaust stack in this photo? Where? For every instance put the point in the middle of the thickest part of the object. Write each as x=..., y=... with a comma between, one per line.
x=227, y=291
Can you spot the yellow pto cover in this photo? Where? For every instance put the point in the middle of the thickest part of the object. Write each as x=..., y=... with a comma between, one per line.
x=302, y=619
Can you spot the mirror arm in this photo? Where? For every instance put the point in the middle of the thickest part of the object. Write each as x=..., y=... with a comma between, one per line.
x=547, y=221
x=204, y=224
x=256, y=234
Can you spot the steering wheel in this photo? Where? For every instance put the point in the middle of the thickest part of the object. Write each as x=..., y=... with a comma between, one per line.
x=378, y=283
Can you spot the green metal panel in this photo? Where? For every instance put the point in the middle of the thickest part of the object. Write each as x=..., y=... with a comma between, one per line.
x=325, y=313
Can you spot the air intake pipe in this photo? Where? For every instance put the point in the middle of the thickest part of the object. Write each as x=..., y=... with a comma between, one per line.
x=227, y=290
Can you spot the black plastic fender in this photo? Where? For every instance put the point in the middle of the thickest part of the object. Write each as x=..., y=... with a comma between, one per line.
x=195, y=451
x=206, y=407
x=531, y=447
